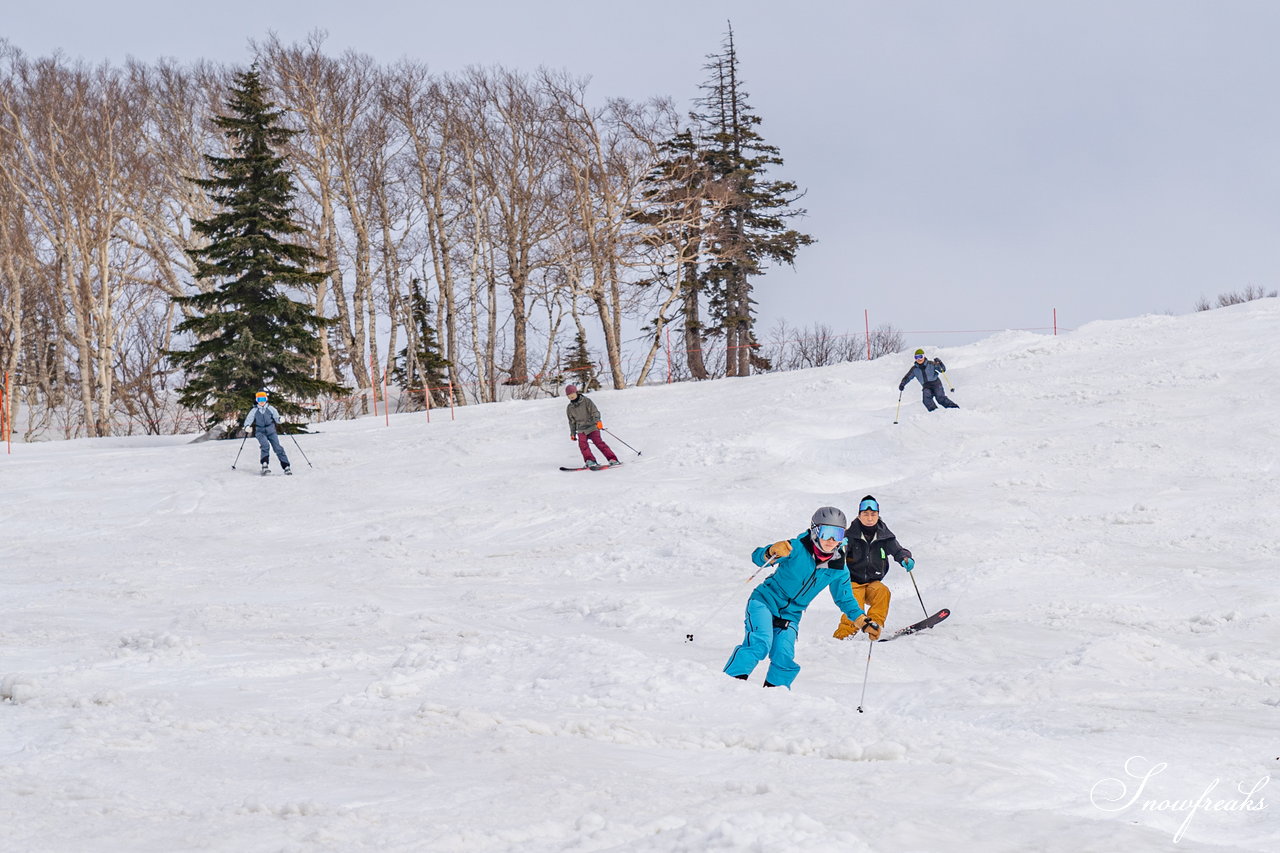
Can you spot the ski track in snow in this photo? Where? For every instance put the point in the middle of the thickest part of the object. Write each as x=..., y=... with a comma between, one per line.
x=434, y=640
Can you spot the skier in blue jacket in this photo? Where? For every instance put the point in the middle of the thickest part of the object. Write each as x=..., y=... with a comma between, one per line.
x=264, y=419
x=928, y=372
x=806, y=565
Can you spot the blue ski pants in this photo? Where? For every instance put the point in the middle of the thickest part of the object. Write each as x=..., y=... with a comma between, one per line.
x=267, y=438
x=763, y=640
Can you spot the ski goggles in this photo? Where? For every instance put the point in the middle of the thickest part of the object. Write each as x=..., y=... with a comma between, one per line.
x=919, y=358
x=828, y=531
x=868, y=505
x=261, y=398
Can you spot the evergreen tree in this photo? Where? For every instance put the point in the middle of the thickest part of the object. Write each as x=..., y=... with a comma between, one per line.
x=578, y=366
x=750, y=229
x=677, y=198
x=249, y=333
x=421, y=366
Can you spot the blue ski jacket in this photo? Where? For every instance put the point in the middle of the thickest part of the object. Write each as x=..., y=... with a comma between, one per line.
x=797, y=580
x=926, y=373
x=267, y=416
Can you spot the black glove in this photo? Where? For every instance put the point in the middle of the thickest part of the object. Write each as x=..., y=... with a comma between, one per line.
x=902, y=387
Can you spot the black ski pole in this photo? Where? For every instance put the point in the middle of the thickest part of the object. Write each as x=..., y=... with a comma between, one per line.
x=242, y=441
x=899, y=409
x=633, y=450
x=300, y=450
x=917, y=586
x=865, y=674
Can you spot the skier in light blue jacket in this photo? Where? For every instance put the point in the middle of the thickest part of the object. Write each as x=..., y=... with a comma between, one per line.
x=264, y=419
x=806, y=565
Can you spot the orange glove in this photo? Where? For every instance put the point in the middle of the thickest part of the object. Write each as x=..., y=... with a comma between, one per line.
x=778, y=550
x=599, y=425
x=862, y=623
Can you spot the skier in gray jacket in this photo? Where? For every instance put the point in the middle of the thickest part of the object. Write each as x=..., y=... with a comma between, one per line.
x=928, y=374
x=585, y=425
x=264, y=419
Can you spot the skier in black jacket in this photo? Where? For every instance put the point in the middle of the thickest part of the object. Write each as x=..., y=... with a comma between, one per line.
x=869, y=545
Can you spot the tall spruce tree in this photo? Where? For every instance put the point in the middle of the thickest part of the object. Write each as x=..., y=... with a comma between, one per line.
x=677, y=198
x=420, y=365
x=750, y=229
x=249, y=333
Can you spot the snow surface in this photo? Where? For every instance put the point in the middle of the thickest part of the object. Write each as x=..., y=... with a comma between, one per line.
x=434, y=640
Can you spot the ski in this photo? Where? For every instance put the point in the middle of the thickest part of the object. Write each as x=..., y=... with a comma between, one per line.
x=586, y=468
x=922, y=625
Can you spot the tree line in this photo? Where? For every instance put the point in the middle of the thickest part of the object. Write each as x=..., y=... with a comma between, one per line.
x=472, y=229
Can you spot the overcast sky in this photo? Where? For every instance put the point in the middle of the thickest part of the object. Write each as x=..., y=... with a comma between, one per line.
x=969, y=165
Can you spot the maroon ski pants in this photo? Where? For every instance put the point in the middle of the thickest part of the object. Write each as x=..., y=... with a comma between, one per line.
x=594, y=438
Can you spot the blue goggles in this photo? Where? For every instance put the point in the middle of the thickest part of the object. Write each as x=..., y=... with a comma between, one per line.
x=828, y=531
x=919, y=358
x=868, y=505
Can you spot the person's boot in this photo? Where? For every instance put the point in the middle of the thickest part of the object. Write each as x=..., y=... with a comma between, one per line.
x=266, y=467
x=592, y=464
x=741, y=677
x=613, y=462
x=767, y=684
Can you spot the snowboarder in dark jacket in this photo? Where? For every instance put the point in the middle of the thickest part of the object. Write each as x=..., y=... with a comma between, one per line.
x=868, y=548
x=585, y=425
x=928, y=373
x=806, y=565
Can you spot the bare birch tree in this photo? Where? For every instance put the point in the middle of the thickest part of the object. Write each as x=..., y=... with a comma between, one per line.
x=76, y=132
x=607, y=152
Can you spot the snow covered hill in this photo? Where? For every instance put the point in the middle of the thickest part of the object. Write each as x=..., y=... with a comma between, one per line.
x=434, y=640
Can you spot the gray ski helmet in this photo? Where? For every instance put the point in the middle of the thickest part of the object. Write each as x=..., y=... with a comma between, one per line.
x=828, y=515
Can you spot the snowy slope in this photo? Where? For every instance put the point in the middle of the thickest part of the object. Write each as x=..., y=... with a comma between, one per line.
x=435, y=641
